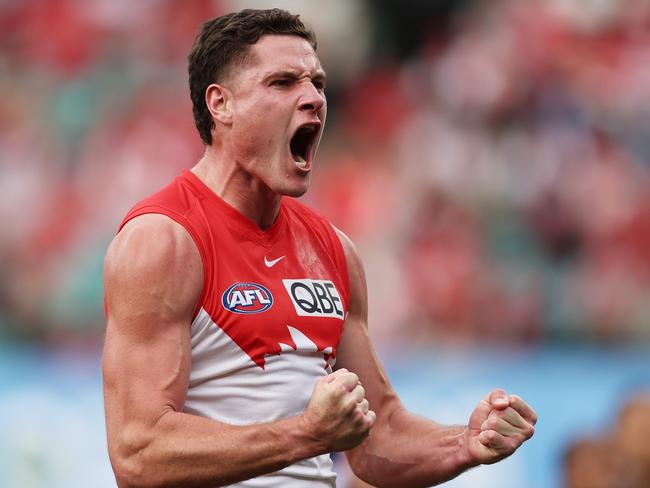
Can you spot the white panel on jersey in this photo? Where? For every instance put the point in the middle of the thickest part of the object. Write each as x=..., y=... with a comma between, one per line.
x=226, y=385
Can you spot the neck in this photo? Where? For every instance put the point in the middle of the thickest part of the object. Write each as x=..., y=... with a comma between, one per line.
x=239, y=189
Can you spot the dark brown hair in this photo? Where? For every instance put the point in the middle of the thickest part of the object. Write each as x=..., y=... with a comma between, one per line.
x=223, y=43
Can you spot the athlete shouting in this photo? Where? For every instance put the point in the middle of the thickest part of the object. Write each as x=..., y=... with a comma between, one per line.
x=237, y=348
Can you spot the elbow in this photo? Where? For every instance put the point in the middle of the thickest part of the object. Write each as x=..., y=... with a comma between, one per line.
x=379, y=480
x=373, y=460
x=377, y=476
x=361, y=465
x=358, y=466
x=130, y=472
x=129, y=475
x=128, y=457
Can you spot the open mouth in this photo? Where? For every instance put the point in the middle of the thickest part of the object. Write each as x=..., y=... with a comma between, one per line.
x=302, y=144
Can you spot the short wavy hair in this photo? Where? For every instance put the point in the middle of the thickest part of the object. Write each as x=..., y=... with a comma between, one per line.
x=223, y=44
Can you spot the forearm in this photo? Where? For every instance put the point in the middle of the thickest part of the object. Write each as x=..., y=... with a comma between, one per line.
x=410, y=451
x=187, y=450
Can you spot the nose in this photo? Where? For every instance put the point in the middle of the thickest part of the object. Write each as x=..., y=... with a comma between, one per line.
x=311, y=99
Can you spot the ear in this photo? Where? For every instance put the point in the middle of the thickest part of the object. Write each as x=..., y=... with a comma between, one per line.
x=218, y=101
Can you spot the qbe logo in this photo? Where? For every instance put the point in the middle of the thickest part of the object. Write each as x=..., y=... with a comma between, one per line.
x=247, y=298
x=315, y=298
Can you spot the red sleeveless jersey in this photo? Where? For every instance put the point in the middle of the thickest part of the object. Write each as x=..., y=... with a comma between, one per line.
x=270, y=314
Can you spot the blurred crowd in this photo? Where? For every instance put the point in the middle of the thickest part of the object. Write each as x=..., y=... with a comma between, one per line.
x=491, y=159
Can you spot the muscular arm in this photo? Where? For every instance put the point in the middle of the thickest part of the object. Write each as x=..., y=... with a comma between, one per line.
x=153, y=279
x=405, y=450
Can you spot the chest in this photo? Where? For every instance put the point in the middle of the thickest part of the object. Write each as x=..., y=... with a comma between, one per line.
x=283, y=297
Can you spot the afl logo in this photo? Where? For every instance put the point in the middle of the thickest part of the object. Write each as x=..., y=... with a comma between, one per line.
x=247, y=298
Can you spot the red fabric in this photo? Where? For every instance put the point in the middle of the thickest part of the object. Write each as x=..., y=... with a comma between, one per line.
x=235, y=251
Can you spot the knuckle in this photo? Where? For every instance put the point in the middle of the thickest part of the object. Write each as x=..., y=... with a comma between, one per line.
x=529, y=431
x=518, y=440
x=355, y=422
x=510, y=446
x=515, y=440
x=490, y=436
x=349, y=404
x=359, y=418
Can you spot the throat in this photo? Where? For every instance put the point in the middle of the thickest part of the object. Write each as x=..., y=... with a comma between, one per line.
x=248, y=196
x=261, y=207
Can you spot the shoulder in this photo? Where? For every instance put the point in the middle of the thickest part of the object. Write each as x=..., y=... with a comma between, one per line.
x=353, y=260
x=150, y=237
x=346, y=243
x=152, y=256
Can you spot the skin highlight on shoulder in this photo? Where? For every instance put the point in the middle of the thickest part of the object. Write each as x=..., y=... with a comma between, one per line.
x=153, y=261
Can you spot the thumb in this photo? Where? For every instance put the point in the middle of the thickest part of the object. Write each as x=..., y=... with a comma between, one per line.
x=480, y=413
x=498, y=398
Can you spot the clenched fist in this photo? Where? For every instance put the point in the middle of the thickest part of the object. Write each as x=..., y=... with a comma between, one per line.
x=338, y=414
x=498, y=426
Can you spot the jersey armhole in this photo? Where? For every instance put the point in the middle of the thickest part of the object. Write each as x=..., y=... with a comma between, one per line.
x=342, y=262
x=189, y=228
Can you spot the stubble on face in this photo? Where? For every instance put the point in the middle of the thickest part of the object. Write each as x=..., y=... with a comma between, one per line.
x=266, y=113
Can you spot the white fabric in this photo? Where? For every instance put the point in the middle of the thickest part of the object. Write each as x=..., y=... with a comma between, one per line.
x=226, y=385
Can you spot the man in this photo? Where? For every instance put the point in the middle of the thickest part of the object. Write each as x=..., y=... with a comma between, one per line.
x=228, y=303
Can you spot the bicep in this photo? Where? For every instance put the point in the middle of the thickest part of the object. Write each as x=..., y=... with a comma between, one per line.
x=153, y=278
x=357, y=354
x=355, y=351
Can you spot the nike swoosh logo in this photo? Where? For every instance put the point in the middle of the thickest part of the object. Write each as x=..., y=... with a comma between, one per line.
x=270, y=264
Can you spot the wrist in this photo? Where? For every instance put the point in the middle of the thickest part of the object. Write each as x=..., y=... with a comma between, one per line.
x=464, y=457
x=308, y=437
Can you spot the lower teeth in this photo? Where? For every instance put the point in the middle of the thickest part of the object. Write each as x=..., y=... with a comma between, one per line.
x=300, y=161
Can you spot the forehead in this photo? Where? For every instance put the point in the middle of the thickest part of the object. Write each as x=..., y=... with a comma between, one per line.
x=274, y=52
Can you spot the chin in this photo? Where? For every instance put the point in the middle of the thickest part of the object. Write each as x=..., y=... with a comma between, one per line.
x=295, y=192
x=296, y=189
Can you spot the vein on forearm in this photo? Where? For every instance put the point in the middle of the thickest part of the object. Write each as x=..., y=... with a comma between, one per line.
x=412, y=451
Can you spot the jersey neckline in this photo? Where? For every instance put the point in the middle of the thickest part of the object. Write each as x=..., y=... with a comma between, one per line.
x=234, y=217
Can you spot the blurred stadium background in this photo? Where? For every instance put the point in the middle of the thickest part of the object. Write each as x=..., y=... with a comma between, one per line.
x=490, y=158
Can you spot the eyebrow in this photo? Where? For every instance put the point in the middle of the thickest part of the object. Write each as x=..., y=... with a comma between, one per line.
x=295, y=74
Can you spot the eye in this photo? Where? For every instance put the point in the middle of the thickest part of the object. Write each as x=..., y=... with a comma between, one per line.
x=320, y=85
x=281, y=82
